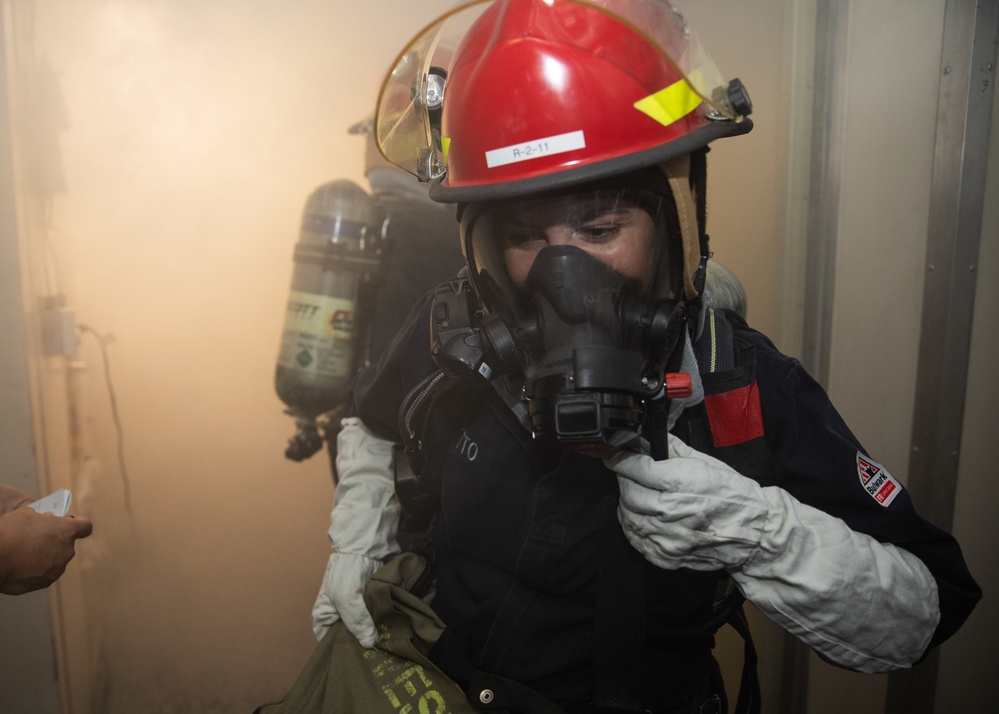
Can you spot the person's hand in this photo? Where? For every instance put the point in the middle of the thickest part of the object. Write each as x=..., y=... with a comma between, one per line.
x=11, y=498
x=341, y=597
x=689, y=510
x=36, y=547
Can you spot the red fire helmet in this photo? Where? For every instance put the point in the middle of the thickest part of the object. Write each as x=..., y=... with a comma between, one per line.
x=502, y=98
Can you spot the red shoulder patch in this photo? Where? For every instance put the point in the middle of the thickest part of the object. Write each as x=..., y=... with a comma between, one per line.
x=735, y=416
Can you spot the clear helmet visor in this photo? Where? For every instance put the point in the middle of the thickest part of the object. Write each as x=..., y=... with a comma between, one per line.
x=408, y=109
x=408, y=128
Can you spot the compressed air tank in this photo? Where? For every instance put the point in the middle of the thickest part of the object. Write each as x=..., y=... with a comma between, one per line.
x=337, y=253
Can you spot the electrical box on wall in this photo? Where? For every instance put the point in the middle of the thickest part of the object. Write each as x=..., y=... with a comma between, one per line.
x=59, y=338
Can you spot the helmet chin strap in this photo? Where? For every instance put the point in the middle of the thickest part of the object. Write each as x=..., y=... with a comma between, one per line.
x=677, y=172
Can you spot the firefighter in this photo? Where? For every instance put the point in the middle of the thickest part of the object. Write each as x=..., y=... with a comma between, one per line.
x=606, y=457
x=420, y=246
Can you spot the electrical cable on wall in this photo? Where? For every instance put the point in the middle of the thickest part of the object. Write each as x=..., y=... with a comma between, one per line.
x=103, y=341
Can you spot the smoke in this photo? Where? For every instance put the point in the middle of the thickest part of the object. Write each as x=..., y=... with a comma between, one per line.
x=192, y=133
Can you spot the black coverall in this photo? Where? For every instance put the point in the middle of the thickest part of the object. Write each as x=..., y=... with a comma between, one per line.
x=520, y=519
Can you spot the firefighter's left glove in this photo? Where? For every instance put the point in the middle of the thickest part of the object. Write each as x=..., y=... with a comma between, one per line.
x=363, y=529
x=689, y=510
x=802, y=567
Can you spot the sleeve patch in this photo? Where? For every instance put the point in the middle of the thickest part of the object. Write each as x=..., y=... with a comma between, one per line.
x=735, y=416
x=879, y=484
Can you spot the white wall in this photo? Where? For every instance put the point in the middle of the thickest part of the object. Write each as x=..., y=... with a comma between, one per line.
x=26, y=628
x=748, y=175
x=967, y=663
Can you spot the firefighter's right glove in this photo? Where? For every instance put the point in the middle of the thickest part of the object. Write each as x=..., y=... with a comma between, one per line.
x=363, y=529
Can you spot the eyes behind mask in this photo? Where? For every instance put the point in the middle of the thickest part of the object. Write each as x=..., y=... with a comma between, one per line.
x=626, y=229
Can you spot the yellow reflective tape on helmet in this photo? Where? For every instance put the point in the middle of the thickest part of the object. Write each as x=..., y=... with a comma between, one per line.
x=671, y=104
x=445, y=146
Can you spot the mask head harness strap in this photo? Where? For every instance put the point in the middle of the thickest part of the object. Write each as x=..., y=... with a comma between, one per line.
x=678, y=173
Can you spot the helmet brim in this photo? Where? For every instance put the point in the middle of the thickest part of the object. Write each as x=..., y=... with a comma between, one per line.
x=441, y=192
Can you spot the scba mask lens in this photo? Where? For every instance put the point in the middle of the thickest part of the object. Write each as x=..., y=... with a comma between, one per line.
x=580, y=282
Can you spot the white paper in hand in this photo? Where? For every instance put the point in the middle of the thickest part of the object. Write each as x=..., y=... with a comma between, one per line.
x=56, y=503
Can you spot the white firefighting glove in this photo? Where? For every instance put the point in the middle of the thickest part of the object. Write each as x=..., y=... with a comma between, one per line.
x=363, y=527
x=861, y=604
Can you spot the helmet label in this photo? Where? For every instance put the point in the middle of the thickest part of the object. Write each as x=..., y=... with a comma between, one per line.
x=548, y=146
x=879, y=484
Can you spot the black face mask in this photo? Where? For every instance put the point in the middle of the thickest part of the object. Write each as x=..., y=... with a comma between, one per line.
x=589, y=344
x=583, y=364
